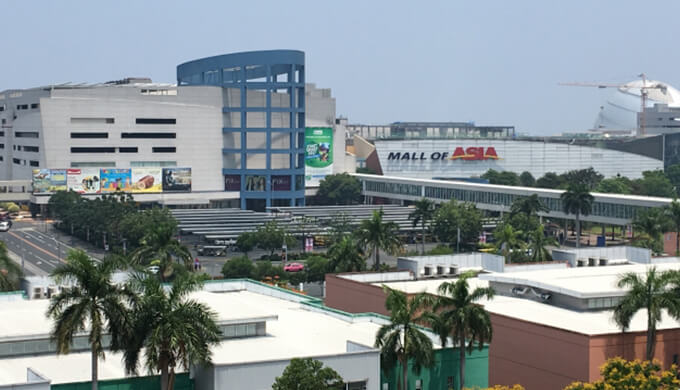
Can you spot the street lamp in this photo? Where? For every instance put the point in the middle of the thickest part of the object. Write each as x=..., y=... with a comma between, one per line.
x=56, y=242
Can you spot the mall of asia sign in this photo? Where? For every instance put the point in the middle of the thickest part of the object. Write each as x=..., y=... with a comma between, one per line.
x=472, y=153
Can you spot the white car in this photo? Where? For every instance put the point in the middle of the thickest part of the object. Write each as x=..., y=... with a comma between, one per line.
x=5, y=225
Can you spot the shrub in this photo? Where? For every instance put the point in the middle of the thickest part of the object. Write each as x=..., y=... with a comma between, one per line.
x=238, y=267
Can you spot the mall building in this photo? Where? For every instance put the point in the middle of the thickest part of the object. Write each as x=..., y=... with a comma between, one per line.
x=233, y=132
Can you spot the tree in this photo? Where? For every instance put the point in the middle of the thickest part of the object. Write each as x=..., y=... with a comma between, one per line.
x=238, y=267
x=422, y=214
x=94, y=304
x=577, y=200
x=615, y=185
x=316, y=268
x=401, y=340
x=620, y=374
x=549, y=180
x=537, y=244
x=673, y=213
x=134, y=226
x=346, y=256
x=588, y=177
x=10, y=273
x=651, y=292
x=654, y=223
x=507, y=178
x=457, y=314
x=246, y=241
x=308, y=374
x=528, y=205
x=526, y=179
x=340, y=224
x=452, y=216
x=507, y=239
x=338, y=189
x=375, y=234
x=654, y=183
x=172, y=330
x=160, y=244
x=265, y=269
x=673, y=175
x=271, y=237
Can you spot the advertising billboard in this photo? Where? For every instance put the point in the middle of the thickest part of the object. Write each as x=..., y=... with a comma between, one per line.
x=256, y=183
x=281, y=182
x=46, y=181
x=83, y=180
x=176, y=179
x=146, y=179
x=318, y=154
x=115, y=179
x=232, y=182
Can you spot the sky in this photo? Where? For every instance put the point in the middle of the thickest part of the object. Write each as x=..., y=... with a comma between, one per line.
x=492, y=62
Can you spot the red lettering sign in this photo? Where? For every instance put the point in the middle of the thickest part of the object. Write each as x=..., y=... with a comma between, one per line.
x=491, y=153
x=474, y=153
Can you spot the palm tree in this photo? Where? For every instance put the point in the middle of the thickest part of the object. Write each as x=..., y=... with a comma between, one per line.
x=93, y=303
x=653, y=222
x=346, y=256
x=457, y=314
x=507, y=239
x=530, y=205
x=673, y=212
x=577, y=200
x=538, y=242
x=173, y=330
x=374, y=234
x=423, y=214
x=653, y=293
x=401, y=340
x=160, y=244
x=9, y=270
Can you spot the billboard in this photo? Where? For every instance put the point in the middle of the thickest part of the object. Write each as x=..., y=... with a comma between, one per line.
x=280, y=182
x=83, y=180
x=115, y=179
x=318, y=154
x=176, y=180
x=256, y=183
x=47, y=181
x=232, y=182
x=146, y=180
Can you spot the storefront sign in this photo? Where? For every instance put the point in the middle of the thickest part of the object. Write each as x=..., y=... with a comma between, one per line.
x=318, y=154
x=471, y=153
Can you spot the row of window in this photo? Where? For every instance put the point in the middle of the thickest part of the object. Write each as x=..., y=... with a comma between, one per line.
x=112, y=164
x=259, y=161
x=25, y=148
x=33, y=106
x=90, y=135
x=258, y=140
x=139, y=121
x=121, y=149
x=258, y=120
x=18, y=161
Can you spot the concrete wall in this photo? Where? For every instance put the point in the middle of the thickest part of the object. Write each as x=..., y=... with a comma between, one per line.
x=34, y=381
x=378, y=277
x=417, y=264
x=633, y=254
x=354, y=297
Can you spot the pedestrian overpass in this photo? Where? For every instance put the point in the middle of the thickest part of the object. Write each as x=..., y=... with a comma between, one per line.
x=611, y=209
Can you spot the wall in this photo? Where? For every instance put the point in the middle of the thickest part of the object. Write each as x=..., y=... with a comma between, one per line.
x=182, y=382
x=633, y=254
x=670, y=243
x=378, y=277
x=354, y=297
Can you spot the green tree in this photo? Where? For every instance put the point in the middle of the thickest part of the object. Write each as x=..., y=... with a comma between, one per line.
x=374, y=234
x=238, y=267
x=654, y=223
x=615, y=185
x=316, y=268
x=588, y=177
x=537, y=244
x=135, y=226
x=651, y=292
x=271, y=237
x=528, y=205
x=94, y=304
x=10, y=273
x=507, y=240
x=450, y=217
x=246, y=241
x=577, y=200
x=673, y=175
x=620, y=374
x=172, y=330
x=549, y=180
x=338, y=189
x=507, y=178
x=422, y=214
x=401, y=340
x=654, y=183
x=673, y=213
x=340, y=224
x=308, y=374
x=346, y=256
x=526, y=179
x=160, y=245
x=457, y=313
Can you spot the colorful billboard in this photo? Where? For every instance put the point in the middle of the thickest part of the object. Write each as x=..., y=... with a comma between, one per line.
x=115, y=179
x=318, y=154
x=176, y=179
x=83, y=180
x=46, y=181
x=146, y=180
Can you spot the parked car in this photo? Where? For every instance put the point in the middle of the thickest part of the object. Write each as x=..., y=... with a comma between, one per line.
x=293, y=267
x=5, y=225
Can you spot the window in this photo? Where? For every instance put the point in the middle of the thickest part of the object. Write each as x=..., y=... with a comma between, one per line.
x=96, y=164
x=2, y=158
x=256, y=140
x=92, y=120
x=93, y=150
x=2, y=146
x=34, y=163
x=16, y=161
x=148, y=135
x=231, y=161
x=156, y=121
x=164, y=149
x=280, y=161
x=256, y=97
x=144, y=164
x=2, y=107
x=232, y=140
x=256, y=161
x=35, y=105
x=232, y=119
x=280, y=120
x=31, y=148
x=280, y=140
x=22, y=106
x=16, y=147
x=89, y=135
x=26, y=134
x=128, y=149
x=256, y=120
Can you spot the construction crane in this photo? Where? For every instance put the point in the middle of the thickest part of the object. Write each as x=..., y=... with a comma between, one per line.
x=643, y=94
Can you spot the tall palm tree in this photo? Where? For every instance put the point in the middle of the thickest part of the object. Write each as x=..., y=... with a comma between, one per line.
x=507, y=239
x=653, y=222
x=673, y=212
x=375, y=234
x=172, y=330
x=10, y=272
x=346, y=256
x=530, y=205
x=160, y=244
x=401, y=340
x=422, y=214
x=538, y=242
x=651, y=292
x=458, y=314
x=94, y=303
x=577, y=200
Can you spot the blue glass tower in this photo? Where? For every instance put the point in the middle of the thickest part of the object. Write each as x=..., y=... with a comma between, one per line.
x=263, y=95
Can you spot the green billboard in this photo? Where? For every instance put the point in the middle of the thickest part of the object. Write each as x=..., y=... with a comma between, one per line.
x=318, y=154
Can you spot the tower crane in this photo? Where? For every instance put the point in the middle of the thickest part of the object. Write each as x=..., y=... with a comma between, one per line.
x=646, y=85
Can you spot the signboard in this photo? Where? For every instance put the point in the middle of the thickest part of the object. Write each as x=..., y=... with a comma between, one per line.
x=146, y=180
x=115, y=179
x=281, y=183
x=471, y=153
x=232, y=182
x=176, y=179
x=46, y=181
x=83, y=180
x=318, y=154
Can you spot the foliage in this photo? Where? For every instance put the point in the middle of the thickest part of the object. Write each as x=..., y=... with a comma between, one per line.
x=526, y=179
x=170, y=329
x=265, y=269
x=238, y=267
x=160, y=245
x=339, y=226
x=586, y=177
x=620, y=374
x=308, y=374
x=507, y=178
x=338, y=189
x=10, y=272
x=401, y=340
x=439, y=250
x=316, y=268
x=673, y=213
x=422, y=214
x=453, y=215
x=549, y=180
x=653, y=222
x=11, y=207
x=135, y=225
x=246, y=241
x=654, y=183
x=271, y=237
x=502, y=387
x=615, y=185
x=577, y=200
x=507, y=240
x=650, y=292
x=673, y=175
x=366, y=171
x=374, y=235
x=537, y=245
x=346, y=256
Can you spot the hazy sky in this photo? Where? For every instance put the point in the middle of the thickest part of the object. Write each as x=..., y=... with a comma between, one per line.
x=494, y=62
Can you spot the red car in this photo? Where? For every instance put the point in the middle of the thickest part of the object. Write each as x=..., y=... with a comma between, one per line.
x=293, y=267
